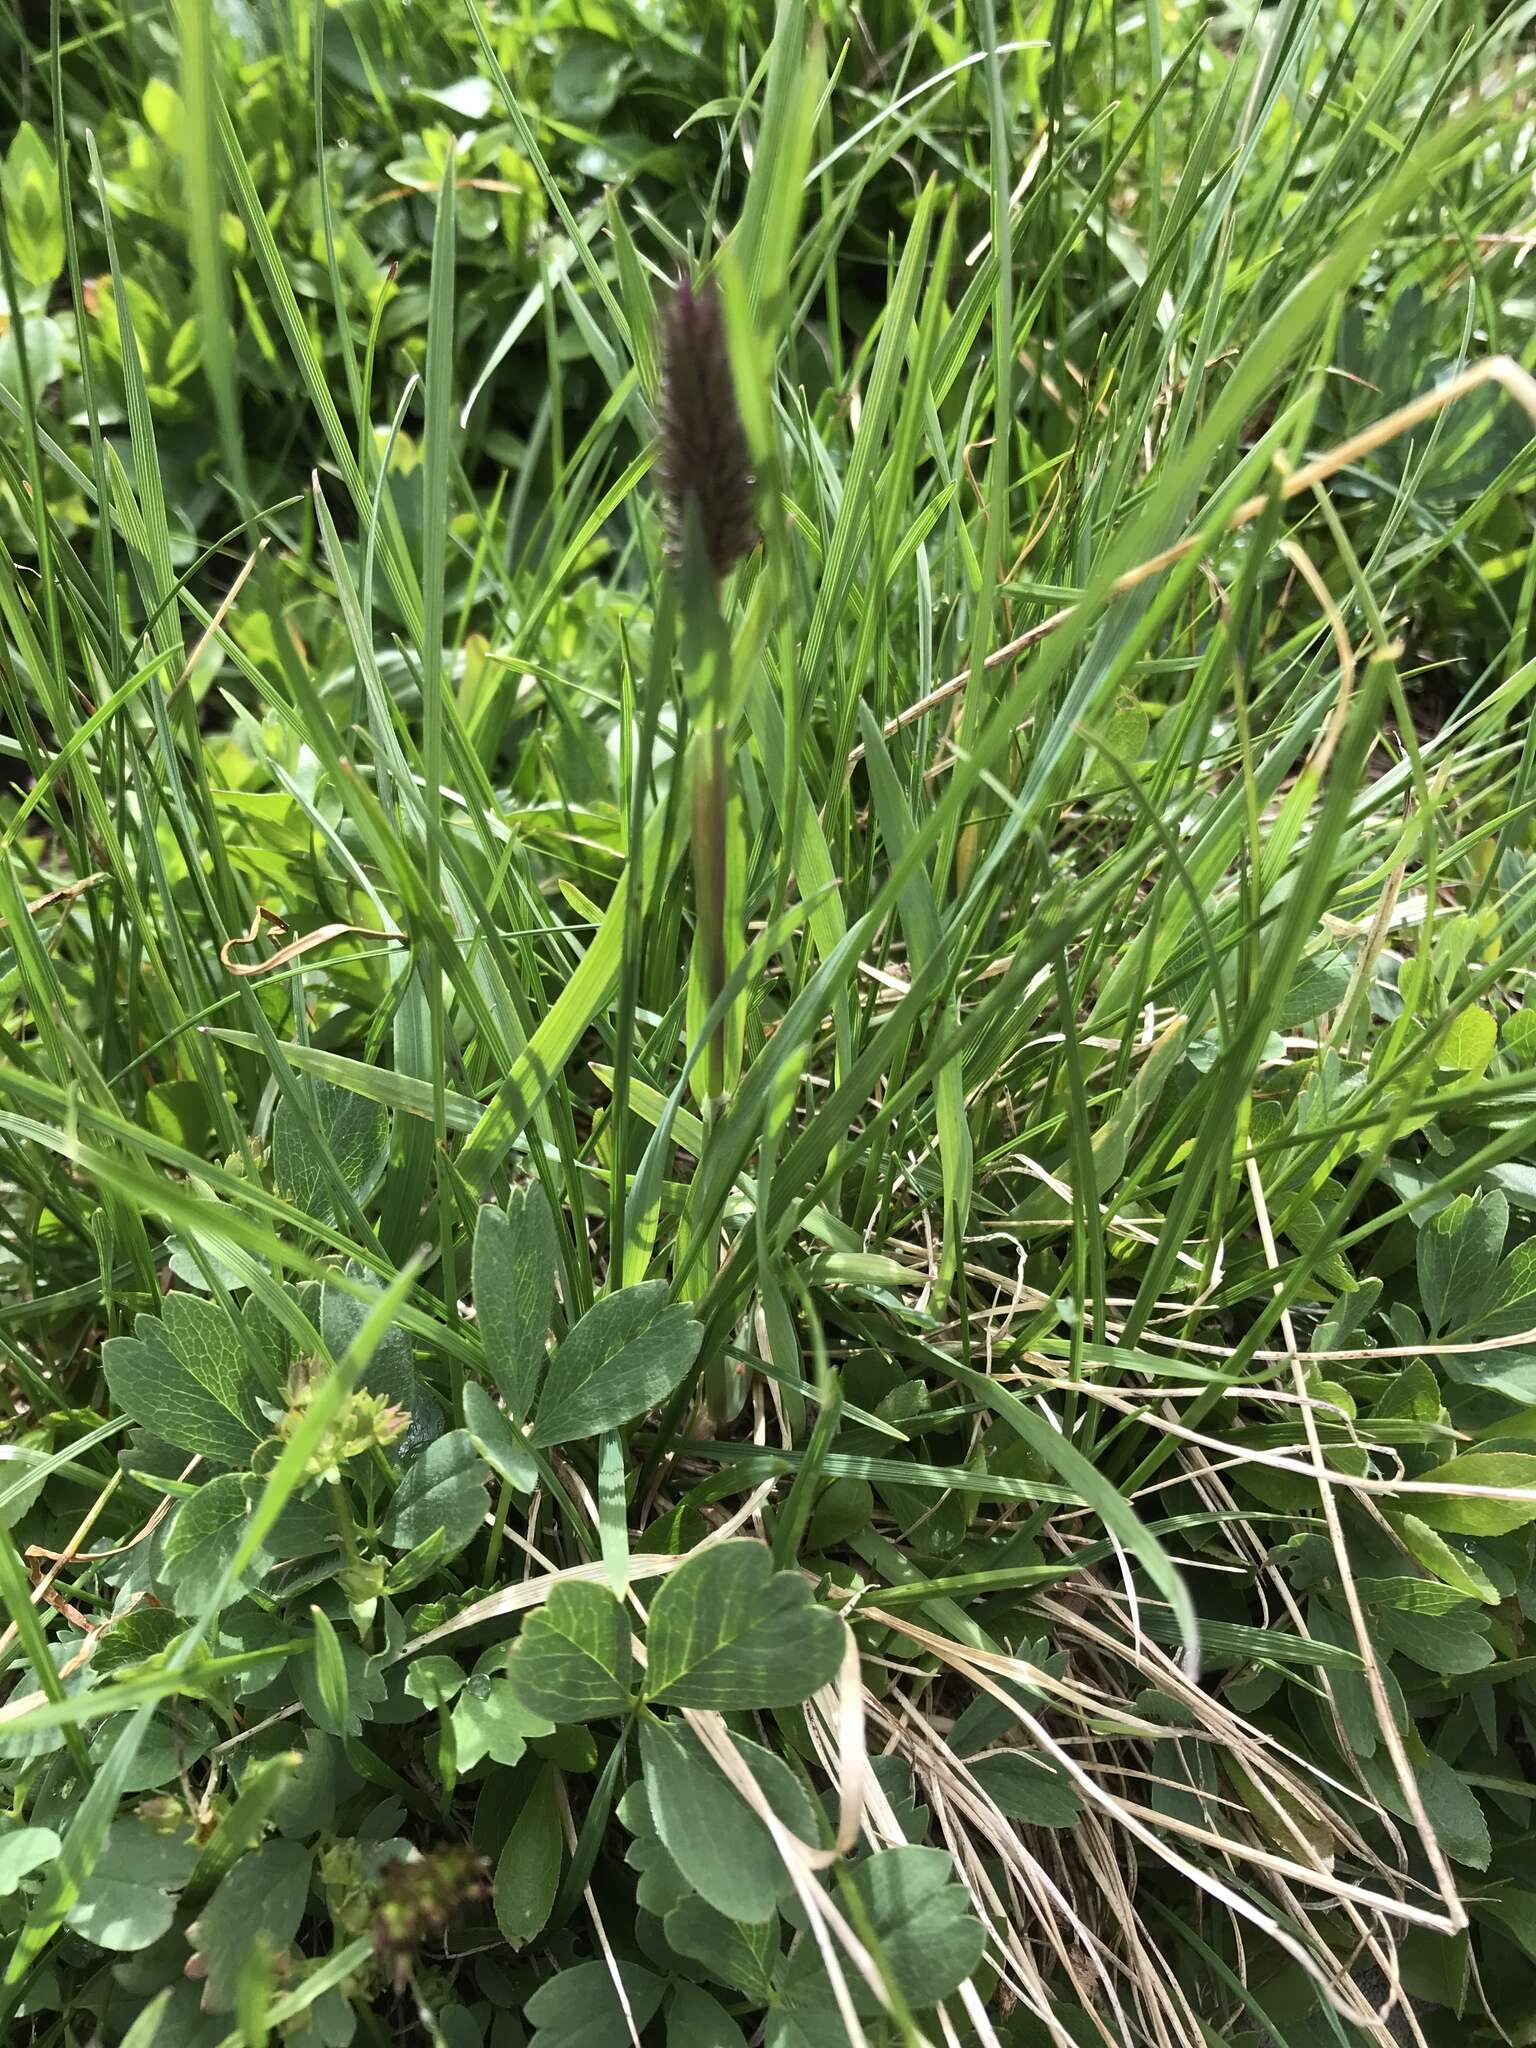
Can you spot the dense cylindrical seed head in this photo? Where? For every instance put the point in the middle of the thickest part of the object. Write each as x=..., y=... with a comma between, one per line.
x=702, y=454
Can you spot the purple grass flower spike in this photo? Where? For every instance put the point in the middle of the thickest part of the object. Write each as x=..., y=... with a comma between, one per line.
x=703, y=445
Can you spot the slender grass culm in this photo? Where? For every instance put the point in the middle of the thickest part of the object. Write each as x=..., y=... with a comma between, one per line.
x=707, y=494
x=707, y=486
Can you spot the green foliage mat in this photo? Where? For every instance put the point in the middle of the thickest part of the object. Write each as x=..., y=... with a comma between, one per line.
x=767, y=1084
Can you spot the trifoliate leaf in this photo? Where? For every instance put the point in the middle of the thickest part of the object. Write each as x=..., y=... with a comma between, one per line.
x=662, y=1885
x=305, y=1805
x=364, y=1684
x=433, y=1680
x=929, y=1939
x=134, y=1637
x=176, y=1738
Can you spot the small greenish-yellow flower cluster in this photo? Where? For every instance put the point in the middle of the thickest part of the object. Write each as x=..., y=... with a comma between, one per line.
x=363, y=1421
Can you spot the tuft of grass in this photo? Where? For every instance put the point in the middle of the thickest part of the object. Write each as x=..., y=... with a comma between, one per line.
x=766, y=1269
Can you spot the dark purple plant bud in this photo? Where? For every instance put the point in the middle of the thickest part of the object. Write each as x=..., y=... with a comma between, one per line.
x=703, y=446
x=418, y=1899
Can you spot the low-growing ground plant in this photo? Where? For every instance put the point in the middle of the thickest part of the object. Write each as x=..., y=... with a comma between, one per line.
x=767, y=1092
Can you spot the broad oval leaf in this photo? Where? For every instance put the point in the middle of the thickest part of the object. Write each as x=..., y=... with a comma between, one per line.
x=695, y=2020
x=580, y=2007
x=203, y=1539
x=335, y=1136
x=718, y=1843
x=741, y=1953
x=1513, y=1307
x=930, y=1941
x=1485, y=1515
x=1024, y=1788
x=528, y=1868
x=572, y=1661
x=1455, y=1812
x=29, y=186
x=1515, y=1912
x=729, y=1632
x=1458, y=1254
x=1448, y=1645
x=515, y=1257
x=23, y=1850
x=1457, y=1567
x=444, y=1489
x=628, y=1352
x=1468, y=1043
x=261, y=1899
x=126, y=1902
x=496, y=1441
